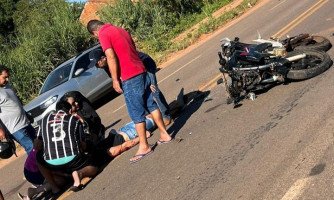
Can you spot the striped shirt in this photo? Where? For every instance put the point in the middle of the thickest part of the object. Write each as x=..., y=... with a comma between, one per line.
x=61, y=134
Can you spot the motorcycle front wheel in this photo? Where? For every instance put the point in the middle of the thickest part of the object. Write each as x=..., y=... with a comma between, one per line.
x=315, y=63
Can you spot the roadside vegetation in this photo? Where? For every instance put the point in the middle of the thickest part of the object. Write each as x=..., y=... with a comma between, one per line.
x=36, y=36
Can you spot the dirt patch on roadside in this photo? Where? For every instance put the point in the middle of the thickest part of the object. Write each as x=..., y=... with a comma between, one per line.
x=216, y=14
x=172, y=57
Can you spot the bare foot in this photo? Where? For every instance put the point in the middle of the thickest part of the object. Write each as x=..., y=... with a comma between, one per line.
x=148, y=134
x=164, y=137
x=76, y=178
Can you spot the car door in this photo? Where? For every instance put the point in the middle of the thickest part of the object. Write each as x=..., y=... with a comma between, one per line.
x=93, y=82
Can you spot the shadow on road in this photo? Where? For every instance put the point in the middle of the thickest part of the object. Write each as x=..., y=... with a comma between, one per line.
x=192, y=102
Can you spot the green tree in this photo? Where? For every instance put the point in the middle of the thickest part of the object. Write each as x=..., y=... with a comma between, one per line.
x=7, y=9
x=47, y=34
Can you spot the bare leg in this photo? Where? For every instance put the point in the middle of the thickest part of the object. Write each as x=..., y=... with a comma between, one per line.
x=88, y=171
x=128, y=144
x=143, y=144
x=164, y=136
x=117, y=150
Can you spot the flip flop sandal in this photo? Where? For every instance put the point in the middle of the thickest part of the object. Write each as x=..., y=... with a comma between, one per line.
x=159, y=142
x=139, y=157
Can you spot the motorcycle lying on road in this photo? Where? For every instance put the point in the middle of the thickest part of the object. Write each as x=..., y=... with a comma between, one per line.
x=248, y=68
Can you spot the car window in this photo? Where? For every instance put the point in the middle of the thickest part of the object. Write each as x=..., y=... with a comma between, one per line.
x=57, y=77
x=82, y=62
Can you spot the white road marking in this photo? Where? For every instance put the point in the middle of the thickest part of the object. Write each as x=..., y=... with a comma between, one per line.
x=188, y=63
x=180, y=68
x=297, y=189
x=277, y=5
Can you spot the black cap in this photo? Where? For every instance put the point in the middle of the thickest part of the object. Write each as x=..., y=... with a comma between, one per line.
x=94, y=56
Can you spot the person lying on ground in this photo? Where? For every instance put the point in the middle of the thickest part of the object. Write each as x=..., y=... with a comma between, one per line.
x=63, y=143
x=98, y=58
x=125, y=138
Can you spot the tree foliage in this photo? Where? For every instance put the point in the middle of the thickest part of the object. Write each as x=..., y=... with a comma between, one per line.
x=7, y=9
x=47, y=34
x=154, y=22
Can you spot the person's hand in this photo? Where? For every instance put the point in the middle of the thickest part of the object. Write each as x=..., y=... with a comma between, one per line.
x=2, y=134
x=102, y=62
x=153, y=88
x=117, y=86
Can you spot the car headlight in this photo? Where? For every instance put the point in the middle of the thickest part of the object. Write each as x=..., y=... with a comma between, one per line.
x=49, y=102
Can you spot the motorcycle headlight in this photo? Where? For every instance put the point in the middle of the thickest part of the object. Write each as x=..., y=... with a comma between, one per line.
x=49, y=102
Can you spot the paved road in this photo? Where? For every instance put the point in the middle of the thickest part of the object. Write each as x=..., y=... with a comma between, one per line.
x=279, y=146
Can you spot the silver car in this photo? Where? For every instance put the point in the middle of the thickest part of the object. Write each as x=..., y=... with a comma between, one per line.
x=77, y=74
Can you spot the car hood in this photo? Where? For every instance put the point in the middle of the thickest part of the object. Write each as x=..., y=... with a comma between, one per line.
x=43, y=98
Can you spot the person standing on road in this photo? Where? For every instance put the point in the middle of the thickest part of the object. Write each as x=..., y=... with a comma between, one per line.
x=151, y=67
x=127, y=69
x=13, y=115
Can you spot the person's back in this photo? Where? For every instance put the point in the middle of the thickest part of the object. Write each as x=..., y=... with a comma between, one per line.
x=121, y=42
x=61, y=137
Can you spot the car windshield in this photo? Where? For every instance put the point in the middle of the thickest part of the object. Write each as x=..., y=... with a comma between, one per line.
x=57, y=77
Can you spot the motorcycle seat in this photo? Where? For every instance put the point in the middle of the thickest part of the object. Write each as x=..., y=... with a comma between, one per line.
x=262, y=47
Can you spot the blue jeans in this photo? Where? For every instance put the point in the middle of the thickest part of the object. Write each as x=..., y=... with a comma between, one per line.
x=138, y=97
x=25, y=137
x=159, y=97
x=130, y=129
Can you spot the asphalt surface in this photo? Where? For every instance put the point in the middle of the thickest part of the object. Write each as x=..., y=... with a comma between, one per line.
x=279, y=146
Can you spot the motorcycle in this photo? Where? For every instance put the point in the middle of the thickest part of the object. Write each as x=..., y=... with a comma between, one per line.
x=248, y=68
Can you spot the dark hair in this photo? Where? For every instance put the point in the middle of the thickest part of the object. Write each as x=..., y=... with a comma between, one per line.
x=93, y=25
x=64, y=106
x=3, y=68
x=77, y=96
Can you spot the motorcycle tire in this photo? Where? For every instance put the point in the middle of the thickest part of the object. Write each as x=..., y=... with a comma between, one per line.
x=315, y=63
x=318, y=43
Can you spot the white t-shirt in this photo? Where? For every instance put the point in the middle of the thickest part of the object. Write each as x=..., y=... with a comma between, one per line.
x=12, y=113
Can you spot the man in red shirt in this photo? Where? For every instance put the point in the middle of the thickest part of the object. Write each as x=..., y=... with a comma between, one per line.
x=129, y=75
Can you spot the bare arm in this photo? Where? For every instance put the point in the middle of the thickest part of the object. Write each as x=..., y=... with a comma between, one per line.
x=2, y=134
x=114, y=69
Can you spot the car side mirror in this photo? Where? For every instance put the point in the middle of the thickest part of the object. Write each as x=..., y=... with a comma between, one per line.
x=79, y=71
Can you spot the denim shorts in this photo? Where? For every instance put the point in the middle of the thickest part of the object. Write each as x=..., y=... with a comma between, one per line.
x=130, y=130
x=138, y=97
x=25, y=137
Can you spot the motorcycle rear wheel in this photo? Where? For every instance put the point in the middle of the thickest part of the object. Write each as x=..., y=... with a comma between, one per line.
x=314, y=43
x=315, y=63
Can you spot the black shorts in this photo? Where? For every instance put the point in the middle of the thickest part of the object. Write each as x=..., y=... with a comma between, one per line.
x=80, y=161
x=111, y=141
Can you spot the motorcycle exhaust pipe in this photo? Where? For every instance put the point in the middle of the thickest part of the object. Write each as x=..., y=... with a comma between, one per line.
x=296, y=57
x=274, y=78
x=257, y=68
x=270, y=80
